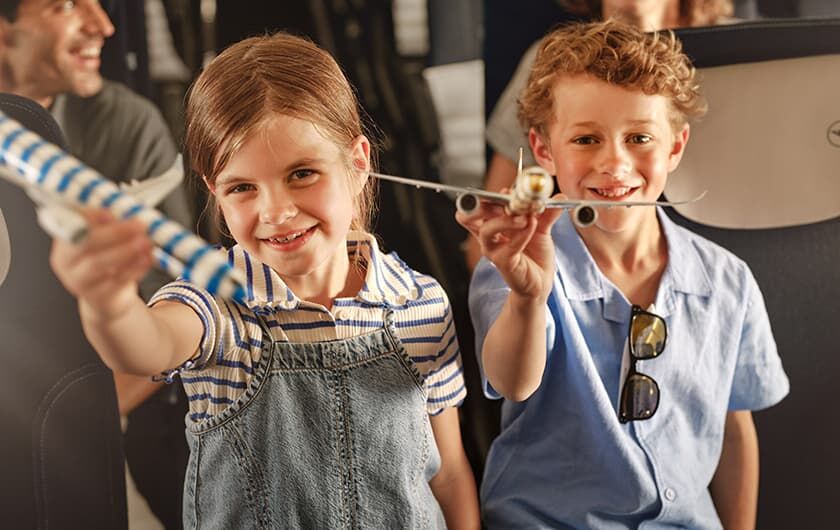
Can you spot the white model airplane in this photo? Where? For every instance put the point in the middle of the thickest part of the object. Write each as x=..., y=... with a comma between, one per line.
x=60, y=217
x=61, y=186
x=531, y=193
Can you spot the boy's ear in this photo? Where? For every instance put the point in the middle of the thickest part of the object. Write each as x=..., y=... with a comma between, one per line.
x=541, y=147
x=678, y=148
x=360, y=162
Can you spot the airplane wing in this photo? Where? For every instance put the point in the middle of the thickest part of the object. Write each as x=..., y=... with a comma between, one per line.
x=457, y=190
x=616, y=204
x=153, y=190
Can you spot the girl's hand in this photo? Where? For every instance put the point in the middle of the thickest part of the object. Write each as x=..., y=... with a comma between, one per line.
x=520, y=246
x=104, y=269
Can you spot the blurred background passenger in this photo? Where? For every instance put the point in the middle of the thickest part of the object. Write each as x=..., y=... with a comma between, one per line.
x=51, y=52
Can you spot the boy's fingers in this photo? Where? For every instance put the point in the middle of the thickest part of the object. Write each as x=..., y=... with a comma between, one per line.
x=550, y=216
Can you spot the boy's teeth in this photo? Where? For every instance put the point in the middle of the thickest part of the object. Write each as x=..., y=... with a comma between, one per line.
x=613, y=192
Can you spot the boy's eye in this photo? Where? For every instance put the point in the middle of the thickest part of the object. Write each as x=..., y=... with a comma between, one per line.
x=640, y=139
x=68, y=5
x=585, y=140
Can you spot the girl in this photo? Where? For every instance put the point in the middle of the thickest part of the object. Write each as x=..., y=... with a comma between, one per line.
x=328, y=400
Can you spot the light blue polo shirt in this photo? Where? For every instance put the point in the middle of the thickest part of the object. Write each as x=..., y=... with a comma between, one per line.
x=562, y=459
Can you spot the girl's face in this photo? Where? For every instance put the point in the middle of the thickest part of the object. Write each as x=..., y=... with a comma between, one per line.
x=288, y=197
x=607, y=142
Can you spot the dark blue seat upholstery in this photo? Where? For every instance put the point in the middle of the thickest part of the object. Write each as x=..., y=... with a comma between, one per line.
x=60, y=444
x=797, y=270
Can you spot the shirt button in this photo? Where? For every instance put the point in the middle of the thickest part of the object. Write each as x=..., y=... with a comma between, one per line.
x=670, y=494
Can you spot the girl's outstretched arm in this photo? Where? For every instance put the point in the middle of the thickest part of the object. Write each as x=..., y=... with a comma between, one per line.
x=102, y=272
x=454, y=485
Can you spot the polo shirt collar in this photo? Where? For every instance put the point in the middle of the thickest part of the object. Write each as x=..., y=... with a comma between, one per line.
x=582, y=280
x=388, y=280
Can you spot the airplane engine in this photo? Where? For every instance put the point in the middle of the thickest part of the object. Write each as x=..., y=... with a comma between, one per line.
x=466, y=203
x=584, y=215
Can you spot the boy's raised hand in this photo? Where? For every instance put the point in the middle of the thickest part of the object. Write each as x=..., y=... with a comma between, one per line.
x=520, y=246
x=104, y=269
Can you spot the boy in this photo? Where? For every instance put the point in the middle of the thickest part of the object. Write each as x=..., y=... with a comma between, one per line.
x=640, y=348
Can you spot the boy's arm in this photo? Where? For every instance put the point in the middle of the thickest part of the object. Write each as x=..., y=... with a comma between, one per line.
x=520, y=246
x=454, y=485
x=514, y=350
x=734, y=487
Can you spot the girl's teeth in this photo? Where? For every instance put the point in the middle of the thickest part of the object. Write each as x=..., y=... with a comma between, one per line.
x=285, y=239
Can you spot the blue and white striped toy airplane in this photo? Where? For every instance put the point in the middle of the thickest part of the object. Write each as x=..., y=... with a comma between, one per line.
x=61, y=186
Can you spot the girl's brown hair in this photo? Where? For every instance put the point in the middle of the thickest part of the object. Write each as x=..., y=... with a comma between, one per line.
x=619, y=54
x=692, y=12
x=260, y=77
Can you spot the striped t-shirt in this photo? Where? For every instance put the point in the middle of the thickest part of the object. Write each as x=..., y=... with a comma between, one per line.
x=231, y=344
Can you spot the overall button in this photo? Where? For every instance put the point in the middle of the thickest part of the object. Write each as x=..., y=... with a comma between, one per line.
x=670, y=494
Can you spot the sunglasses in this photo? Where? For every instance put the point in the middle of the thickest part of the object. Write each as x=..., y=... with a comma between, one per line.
x=640, y=393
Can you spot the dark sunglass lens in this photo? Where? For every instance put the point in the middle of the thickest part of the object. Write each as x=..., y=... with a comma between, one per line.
x=639, y=398
x=647, y=335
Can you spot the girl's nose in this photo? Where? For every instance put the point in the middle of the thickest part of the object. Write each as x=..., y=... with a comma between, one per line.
x=277, y=208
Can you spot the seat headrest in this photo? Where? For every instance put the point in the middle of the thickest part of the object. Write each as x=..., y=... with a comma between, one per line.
x=32, y=116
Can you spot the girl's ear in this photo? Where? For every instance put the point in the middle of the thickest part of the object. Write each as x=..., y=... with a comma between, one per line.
x=360, y=163
x=541, y=147
x=210, y=186
x=678, y=148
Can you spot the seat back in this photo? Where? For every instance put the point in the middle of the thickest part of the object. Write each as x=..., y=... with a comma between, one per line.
x=785, y=225
x=60, y=448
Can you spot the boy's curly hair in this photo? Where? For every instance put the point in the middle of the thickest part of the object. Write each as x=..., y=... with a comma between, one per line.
x=619, y=54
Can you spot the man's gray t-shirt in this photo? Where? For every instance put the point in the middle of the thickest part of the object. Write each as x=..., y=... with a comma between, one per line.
x=124, y=137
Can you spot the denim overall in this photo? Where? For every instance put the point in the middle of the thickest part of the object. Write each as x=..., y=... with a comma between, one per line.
x=326, y=435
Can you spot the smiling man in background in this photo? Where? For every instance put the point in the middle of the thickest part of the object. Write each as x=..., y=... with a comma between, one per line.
x=50, y=52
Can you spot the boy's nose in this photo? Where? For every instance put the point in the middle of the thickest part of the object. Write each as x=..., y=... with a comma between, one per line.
x=96, y=20
x=615, y=161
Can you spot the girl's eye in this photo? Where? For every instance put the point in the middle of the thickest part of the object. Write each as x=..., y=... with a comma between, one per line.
x=640, y=139
x=585, y=140
x=69, y=5
x=240, y=188
x=301, y=174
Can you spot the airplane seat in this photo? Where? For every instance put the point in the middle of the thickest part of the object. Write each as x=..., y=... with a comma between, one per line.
x=768, y=152
x=60, y=450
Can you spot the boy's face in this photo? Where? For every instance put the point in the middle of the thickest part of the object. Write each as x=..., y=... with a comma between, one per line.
x=607, y=142
x=54, y=47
